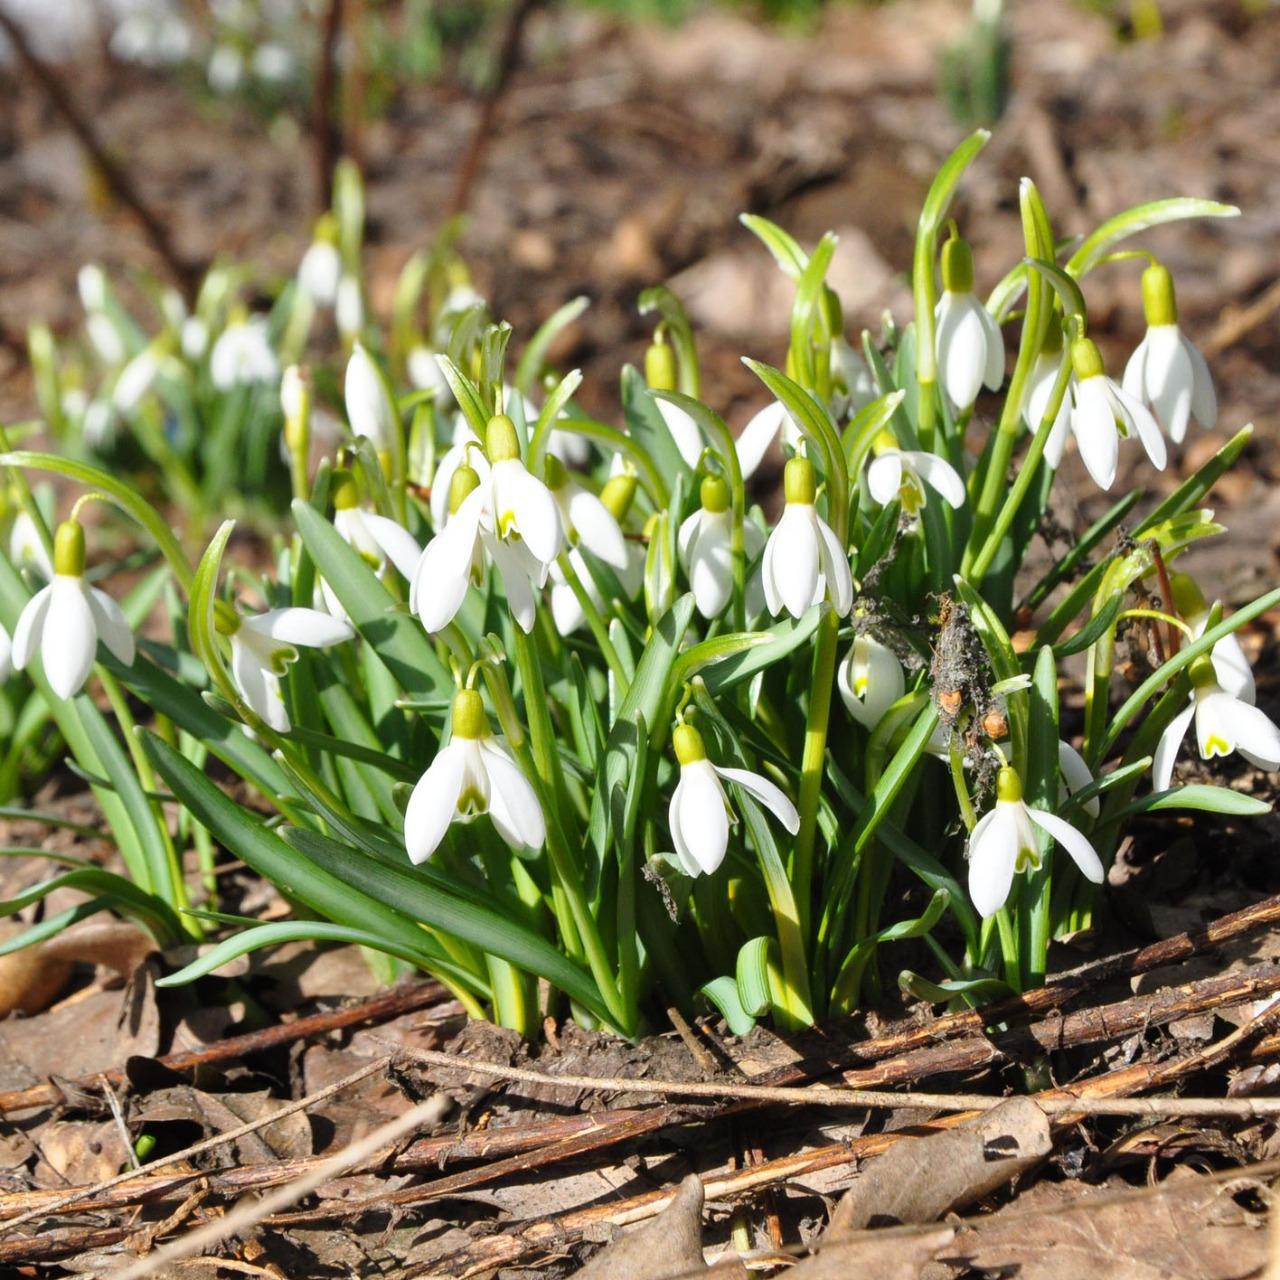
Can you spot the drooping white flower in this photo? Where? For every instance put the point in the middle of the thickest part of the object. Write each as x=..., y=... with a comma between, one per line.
x=91, y=283
x=348, y=308
x=426, y=375
x=226, y=69
x=1099, y=412
x=369, y=406
x=321, y=265
x=853, y=386
x=1166, y=371
x=465, y=450
x=804, y=562
x=26, y=547
x=1075, y=776
x=265, y=645
x=105, y=338
x=705, y=546
x=1223, y=722
x=193, y=338
x=587, y=522
x=6, y=655
x=375, y=537
x=699, y=813
x=903, y=474
x=65, y=620
x=453, y=561
x=1005, y=842
x=135, y=380
x=1040, y=384
x=970, y=350
x=471, y=776
x=243, y=356
x=1230, y=666
x=870, y=680
x=522, y=508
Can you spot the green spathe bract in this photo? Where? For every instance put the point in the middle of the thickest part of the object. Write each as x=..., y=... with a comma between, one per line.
x=603, y=920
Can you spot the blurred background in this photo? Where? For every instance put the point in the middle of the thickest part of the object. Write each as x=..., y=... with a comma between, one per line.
x=598, y=146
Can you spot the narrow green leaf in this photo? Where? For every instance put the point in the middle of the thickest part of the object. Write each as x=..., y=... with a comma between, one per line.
x=1141, y=218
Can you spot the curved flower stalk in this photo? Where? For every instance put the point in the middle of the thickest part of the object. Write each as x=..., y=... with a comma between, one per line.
x=243, y=356
x=376, y=538
x=803, y=560
x=370, y=410
x=1223, y=722
x=904, y=473
x=1101, y=411
x=64, y=621
x=265, y=645
x=870, y=679
x=1166, y=371
x=699, y=812
x=321, y=265
x=472, y=775
x=1005, y=843
x=970, y=350
x=705, y=545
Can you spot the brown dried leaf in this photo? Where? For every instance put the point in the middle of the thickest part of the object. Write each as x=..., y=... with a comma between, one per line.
x=669, y=1245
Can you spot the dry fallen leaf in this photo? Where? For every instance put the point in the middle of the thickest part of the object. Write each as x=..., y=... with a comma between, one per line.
x=669, y=1245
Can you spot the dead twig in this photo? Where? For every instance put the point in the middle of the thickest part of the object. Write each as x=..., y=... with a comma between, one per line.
x=327, y=134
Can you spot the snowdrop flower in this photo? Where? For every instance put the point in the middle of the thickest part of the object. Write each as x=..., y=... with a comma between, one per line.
x=1101, y=410
x=91, y=284
x=471, y=776
x=6, y=655
x=705, y=547
x=193, y=338
x=699, y=813
x=1230, y=666
x=264, y=646
x=1075, y=776
x=453, y=560
x=853, y=385
x=1224, y=723
x=970, y=350
x=65, y=620
x=803, y=559
x=242, y=355
x=587, y=522
x=1166, y=371
x=26, y=547
x=348, y=308
x=321, y=265
x=105, y=338
x=376, y=538
x=226, y=69
x=903, y=474
x=272, y=62
x=465, y=450
x=137, y=378
x=522, y=509
x=426, y=375
x=870, y=680
x=370, y=409
x=1040, y=384
x=1005, y=842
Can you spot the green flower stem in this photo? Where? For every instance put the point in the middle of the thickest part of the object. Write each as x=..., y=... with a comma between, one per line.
x=514, y=993
x=595, y=622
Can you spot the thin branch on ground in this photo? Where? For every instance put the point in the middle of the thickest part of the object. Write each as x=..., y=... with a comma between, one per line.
x=326, y=132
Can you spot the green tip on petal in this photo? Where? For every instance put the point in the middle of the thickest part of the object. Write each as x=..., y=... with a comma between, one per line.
x=1086, y=359
x=464, y=481
x=715, y=495
x=1008, y=785
x=1159, y=303
x=798, y=482
x=68, y=549
x=957, y=266
x=688, y=744
x=618, y=494
x=660, y=366
x=469, y=719
x=345, y=493
x=501, y=443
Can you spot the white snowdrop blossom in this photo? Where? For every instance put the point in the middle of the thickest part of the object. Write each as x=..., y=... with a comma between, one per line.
x=242, y=356
x=472, y=775
x=804, y=562
x=970, y=350
x=348, y=308
x=586, y=521
x=375, y=537
x=904, y=473
x=1166, y=371
x=135, y=380
x=105, y=338
x=26, y=546
x=699, y=812
x=6, y=655
x=453, y=561
x=870, y=680
x=1223, y=723
x=853, y=386
x=321, y=265
x=1040, y=384
x=1005, y=842
x=369, y=406
x=265, y=645
x=193, y=338
x=705, y=547
x=226, y=69
x=1230, y=666
x=64, y=621
x=426, y=375
x=1101, y=410
x=465, y=450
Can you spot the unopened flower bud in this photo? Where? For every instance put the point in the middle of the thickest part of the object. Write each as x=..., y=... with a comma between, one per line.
x=501, y=443
x=660, y=366
x=618, y=494
x=1158, y=301
x=714, y=494
x=957, y=266
x=464, y=481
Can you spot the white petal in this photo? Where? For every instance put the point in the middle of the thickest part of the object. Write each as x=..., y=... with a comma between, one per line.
x=1093, y=422
x=1167, y=748
x=515, y=581
x=597, y=530
x=69, y=642
x=259, y=686
x=711, y=564
x=993, y=853
x=1232, y=668
x=835, y=568
x=1138, y=417
x=1134, y=382
x=884, y=477
x=566, y=611
x=1253, y=733
x=702, y=819
x=755, y=438
x=939, y=475
x=768, y=582
x=434, y=803
x=368, y=409
x=294, y=626
x=113, y=630
x=396, y=543
x=772, y=797
x=1167, y=380
x=26, y=635
x=513, y=805
x=1217, y=723
x=6, y=655
x=443, y=572
x=993, y=373
x=870, y=680
x=1076, y=774
x=684, y=431
x=795, y=557
x=1083, y=854
x=962, y=347
x=1204, y=400
x=687, y=535
x=687, y=860
x=525, y=502
x=450, y=461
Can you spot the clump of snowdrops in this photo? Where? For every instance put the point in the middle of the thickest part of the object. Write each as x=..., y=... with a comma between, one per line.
x=545, y=706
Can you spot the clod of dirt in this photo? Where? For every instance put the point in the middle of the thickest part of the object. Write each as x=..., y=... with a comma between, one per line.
x=670, y=1245
x=920, y=1179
